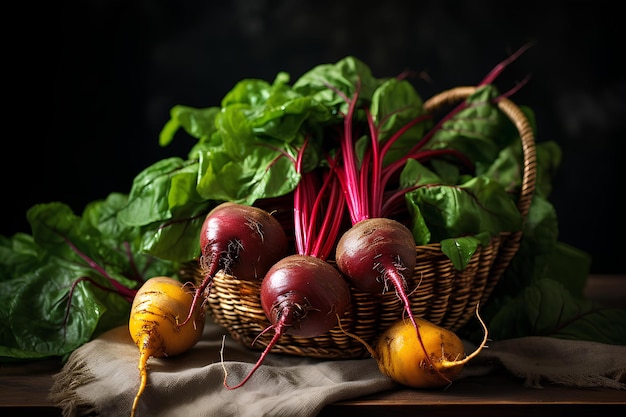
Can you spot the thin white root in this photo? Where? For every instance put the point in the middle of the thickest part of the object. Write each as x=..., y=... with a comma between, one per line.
x=475, y=353
x=222, y=358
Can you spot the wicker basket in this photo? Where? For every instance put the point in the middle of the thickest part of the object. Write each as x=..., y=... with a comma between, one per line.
x=438, y=292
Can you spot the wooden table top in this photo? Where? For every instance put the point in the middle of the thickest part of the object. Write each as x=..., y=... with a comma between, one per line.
x=24, y=388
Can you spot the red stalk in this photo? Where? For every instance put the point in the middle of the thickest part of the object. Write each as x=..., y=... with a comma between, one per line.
x=316, y=232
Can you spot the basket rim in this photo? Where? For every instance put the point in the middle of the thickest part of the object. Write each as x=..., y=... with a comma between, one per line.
x=519, y=119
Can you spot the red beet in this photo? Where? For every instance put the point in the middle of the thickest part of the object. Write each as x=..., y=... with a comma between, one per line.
x=301, y=295
x=243, y=241
x=376, y=251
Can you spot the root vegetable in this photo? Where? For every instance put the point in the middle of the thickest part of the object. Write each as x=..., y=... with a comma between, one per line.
x=301, y=295
x=375, y=251
x=154, y=323
x=401, y=358
x=243, y=241
x=433, y=364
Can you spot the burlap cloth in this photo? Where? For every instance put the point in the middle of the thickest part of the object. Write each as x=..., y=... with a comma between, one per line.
x=101, y=378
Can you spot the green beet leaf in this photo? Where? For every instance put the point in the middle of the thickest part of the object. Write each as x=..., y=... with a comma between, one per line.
x=547, y=308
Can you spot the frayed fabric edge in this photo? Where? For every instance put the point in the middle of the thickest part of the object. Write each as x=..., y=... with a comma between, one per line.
x=581, y=381
x=536, y=360
x=63, y=392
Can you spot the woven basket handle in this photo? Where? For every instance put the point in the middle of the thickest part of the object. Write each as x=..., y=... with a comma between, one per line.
x=515, y=114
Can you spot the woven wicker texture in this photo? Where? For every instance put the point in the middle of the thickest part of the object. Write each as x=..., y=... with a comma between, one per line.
x=437, y=291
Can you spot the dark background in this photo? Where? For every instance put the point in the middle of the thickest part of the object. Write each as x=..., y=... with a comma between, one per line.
x=96, y=79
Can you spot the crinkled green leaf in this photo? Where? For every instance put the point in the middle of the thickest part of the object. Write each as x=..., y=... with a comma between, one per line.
x=547, y=308
x=18, y=254
x=478, y=205
x=65, y=249
x=198, y=123
x=395, y=103
x=65, y=235
x=461, y=249
x=537, y=249
x=329, y=84
x=419, y=228
x=178, y=240
x=247, y=180
x=549, y=156
x=42, y=322
x=149, y=200
x=270, y=112
x=474, y=130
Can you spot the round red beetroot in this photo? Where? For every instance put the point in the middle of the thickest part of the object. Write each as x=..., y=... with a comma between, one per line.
x=373, y=249
x=245, y=241
x=304, y=295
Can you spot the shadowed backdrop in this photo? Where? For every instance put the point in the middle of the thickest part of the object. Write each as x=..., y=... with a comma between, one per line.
x=106, y=73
